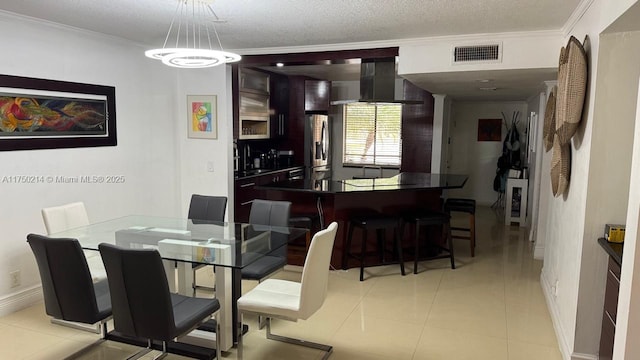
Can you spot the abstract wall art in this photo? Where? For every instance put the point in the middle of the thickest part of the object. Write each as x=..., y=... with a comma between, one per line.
x=202, y=118
x=47, y=114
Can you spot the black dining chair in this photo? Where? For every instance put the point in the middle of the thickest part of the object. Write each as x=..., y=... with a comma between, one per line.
x=205, y=209
x=69, y=291
x=270, y=213
x=143, y=306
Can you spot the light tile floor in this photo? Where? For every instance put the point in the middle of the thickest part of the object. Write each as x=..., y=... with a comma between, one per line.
x=490, y=307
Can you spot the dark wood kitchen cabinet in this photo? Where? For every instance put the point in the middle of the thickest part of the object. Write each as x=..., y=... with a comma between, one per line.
x=246, y=192
x=279, y=106
x=317, y=96
x=610, y=309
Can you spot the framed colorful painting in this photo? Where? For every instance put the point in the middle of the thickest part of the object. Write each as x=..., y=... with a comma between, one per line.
x=48, y=114
x=203, y=121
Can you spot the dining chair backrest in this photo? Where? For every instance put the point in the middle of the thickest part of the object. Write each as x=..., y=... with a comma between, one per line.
x=139, y=292
x=269, y=212
x=69, y=292
x=64, y=217
x=209, y=208
x=315, y=274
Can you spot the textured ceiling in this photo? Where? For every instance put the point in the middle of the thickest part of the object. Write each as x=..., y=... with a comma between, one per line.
x=285, y=23
x=251, y=26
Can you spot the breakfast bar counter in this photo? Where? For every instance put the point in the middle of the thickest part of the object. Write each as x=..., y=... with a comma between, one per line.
x=338, y=200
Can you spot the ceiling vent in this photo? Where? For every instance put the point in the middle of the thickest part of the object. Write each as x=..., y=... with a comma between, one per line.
x=490, y=53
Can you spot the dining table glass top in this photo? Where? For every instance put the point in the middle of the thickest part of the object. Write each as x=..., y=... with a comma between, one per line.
x=224, y=244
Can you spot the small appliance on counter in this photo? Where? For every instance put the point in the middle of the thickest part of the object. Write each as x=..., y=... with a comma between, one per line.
x=285, y=158
x=614, y=233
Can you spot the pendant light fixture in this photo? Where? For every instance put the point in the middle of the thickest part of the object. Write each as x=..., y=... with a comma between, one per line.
x=192, y=27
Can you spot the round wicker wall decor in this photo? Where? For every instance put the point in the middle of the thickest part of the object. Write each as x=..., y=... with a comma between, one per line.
x=560, y=167
x=572, y=86
x=549, y=126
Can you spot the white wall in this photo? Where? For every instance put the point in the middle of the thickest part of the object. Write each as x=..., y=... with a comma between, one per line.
x=539, y=177
x=519, y=51
x=197, y=154
x=478, y=159
x=574, y=265
x=152, y=152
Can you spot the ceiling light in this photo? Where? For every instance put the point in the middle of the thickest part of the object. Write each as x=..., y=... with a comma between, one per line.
x=192, y=26
x=488, y=88
x=483, y=80
x=279, y=64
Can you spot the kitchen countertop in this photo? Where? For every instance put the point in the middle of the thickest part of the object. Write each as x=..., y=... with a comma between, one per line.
x=402, y=181
x=247, y=174
x=613, y=249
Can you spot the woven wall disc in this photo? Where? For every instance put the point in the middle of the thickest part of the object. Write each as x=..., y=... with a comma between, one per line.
x=560, y=167
x=572, y=86
x=549, y=126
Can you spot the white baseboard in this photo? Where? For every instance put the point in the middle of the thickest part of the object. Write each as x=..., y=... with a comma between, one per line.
x=565, y=349
x=555, y=317
x=578, y=356
x=20, y=300
x=538, y=252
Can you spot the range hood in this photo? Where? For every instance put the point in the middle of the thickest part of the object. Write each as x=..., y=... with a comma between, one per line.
x=377, y=83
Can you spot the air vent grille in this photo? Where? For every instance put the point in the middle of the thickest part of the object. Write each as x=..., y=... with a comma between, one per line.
x=476, y=53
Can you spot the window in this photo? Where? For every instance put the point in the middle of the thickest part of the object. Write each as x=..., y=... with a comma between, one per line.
x=372, y=134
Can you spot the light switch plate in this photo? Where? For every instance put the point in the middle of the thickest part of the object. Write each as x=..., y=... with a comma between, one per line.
x=210, y=166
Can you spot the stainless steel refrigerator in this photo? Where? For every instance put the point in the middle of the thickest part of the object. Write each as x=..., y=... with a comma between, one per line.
x=317, y=147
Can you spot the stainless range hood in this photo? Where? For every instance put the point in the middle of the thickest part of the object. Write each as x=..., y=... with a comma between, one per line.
x=377, y=83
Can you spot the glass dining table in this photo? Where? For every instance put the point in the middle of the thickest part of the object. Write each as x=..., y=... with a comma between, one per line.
x=182, y=243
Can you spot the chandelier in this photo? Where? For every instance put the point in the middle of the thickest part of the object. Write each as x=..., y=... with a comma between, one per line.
x=192, y=27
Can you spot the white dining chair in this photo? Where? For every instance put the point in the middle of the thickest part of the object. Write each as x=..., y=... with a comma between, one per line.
x=70, y=216
x=290, y=300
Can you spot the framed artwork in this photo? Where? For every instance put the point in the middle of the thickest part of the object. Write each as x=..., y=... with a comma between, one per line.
x=489, y=129
x=48, y=114
x=203, y=120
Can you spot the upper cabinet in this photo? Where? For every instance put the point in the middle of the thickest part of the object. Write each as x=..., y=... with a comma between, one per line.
x=253, y=98
x=317, y=96
x=279, y=106
x=253, y=81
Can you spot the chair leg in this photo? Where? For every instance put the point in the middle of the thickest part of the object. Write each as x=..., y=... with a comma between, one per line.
x=239, y=352
x=363, y=252
x=472, y=234
x=142, y=352
x=326, y=348
x=447, y=229
x=398, y=244
x=218, y=351
x=417, y=250
x=347, y=248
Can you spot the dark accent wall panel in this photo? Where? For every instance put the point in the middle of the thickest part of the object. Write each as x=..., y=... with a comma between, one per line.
x=417, y=130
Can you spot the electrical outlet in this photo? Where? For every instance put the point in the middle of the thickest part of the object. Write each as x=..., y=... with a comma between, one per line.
x=15, y=278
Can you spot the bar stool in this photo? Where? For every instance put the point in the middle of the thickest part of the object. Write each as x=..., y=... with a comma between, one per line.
x=467, y=206
x=379, y=223
x=429, y=218
x=306, y=221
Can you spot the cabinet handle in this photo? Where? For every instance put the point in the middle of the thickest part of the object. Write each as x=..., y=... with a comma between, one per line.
x=247, y=185
x=614, y=276
x=246, y=202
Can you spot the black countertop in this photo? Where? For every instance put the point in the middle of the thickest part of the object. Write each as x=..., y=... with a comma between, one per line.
x=613, y=249
x=402, y=181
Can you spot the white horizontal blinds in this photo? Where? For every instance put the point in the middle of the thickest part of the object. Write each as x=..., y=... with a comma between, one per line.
x=372, y=134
